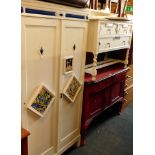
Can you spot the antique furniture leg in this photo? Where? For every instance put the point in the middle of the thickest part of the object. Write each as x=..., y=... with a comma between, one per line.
x=94, y=71
x=83, y=134
x=126, y=58
x=120, y=107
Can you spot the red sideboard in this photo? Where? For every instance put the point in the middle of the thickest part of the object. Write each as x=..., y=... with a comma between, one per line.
x=24, y=141
x=101, y=94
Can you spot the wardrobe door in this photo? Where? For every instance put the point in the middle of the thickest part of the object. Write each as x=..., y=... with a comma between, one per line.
x=73, y=45
x=40, y=55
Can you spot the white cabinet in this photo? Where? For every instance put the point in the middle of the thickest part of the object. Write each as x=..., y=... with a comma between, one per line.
x=46, y=42
x=73, y=43
x=37, y=68
x=105, y=35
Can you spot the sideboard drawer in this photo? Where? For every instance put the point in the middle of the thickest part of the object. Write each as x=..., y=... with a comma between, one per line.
x=103, y=84
x=107, y=29
x=119, y=77
x=111, y=43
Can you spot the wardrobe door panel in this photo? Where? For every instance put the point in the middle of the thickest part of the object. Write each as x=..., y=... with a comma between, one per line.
x=73, y=44
x=40, y=55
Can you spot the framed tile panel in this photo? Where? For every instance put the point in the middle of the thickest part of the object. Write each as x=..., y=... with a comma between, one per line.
x=41, y=100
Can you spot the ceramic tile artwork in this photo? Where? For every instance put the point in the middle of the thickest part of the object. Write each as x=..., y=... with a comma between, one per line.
x=68, y=64
x=42, y=101
x=73, y=88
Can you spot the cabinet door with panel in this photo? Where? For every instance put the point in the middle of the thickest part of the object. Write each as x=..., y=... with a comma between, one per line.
x=73, y=44
x=118, y=87
x=40, y=53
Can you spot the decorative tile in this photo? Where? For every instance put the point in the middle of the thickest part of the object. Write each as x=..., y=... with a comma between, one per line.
x=72, y=89
x=41, y=100
x=68, y=64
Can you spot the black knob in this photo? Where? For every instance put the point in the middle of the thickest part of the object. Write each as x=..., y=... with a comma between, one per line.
x=74, y=47
x=41, y=51
x=99, y=43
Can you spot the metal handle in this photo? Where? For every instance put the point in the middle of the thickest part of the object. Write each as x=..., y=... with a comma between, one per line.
x=74, y=47
x=116, y=38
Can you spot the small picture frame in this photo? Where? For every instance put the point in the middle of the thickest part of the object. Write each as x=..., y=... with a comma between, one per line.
x=41, y=100
x=72, y=89
x=68, y=64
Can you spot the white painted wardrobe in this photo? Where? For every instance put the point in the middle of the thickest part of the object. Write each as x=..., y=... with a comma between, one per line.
x=46, y=41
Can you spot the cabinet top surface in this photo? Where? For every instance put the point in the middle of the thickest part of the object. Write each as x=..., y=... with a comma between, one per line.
x=105, y=73
x=110, y=18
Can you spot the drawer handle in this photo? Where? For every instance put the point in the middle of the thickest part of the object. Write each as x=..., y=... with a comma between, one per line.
x=99, y=43
x=115, y=38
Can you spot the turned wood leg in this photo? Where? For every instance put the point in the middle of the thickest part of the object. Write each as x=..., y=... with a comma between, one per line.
x=106, y=56
x=126, y=58
x=94, y=71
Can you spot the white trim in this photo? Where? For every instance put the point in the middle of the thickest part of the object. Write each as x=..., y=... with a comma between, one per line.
x=63, y=149
x=48, y=151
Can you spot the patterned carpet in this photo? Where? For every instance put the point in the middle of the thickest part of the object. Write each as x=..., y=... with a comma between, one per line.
x=109, y=134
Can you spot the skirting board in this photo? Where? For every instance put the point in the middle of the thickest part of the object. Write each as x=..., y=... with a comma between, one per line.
x=77, y=139
x=49, y=151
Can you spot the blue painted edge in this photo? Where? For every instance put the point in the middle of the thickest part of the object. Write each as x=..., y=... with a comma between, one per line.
x=41, y=12
x=69, y=15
